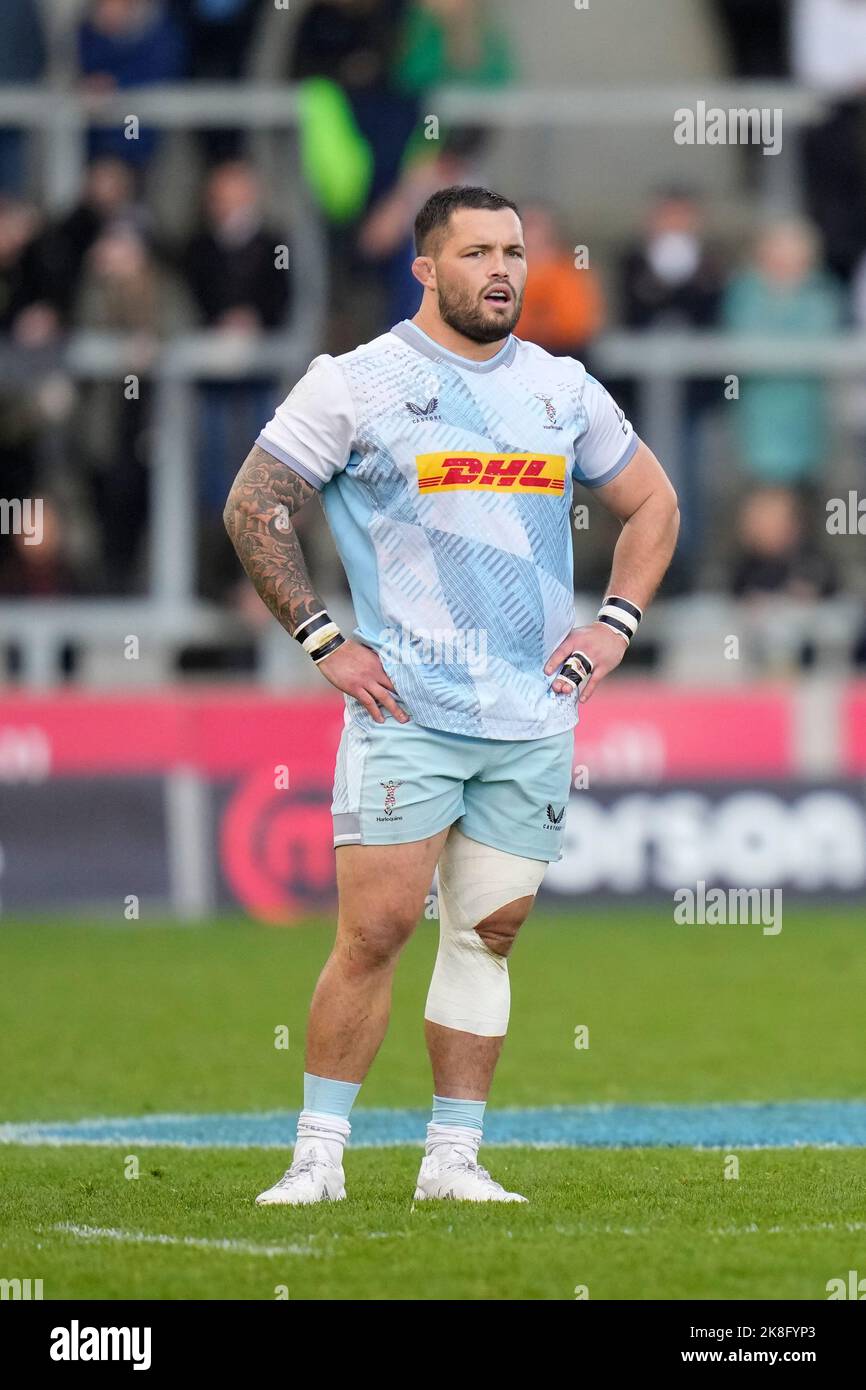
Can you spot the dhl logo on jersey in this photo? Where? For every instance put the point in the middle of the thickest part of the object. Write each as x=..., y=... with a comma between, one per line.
x=491, y=472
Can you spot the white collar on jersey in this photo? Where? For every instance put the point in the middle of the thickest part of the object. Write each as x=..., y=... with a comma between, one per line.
x=422, y=342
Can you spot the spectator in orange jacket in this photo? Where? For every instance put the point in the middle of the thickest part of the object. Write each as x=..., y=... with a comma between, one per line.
x=563, y=307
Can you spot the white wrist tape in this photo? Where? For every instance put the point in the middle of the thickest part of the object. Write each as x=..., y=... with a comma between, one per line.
x=621, y=615
x=319, y=636
x=470, y=989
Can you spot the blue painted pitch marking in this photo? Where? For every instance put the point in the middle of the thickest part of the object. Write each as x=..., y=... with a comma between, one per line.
x=751, y=1125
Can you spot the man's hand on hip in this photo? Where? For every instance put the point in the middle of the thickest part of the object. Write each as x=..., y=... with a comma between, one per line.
x=600, y=643
x=356, y=670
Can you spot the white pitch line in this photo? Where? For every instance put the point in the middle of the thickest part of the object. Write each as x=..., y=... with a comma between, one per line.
x=752, y=1230
x=234, y=1247
x=241, y=1247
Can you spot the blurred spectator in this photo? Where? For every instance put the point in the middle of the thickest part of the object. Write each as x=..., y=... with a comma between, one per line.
x=232, y=268
x=127, y=43
x=563, y=307
x=774, y=560
x=353, y=42
x=22, y=62
x=828, y=39
x=854, y=391
x=20, y=427
x=783, y=421
x=124, y=289
x=858, y=293
x=108, y=199
x=350, y=41
x=672, y=280
x=24, y=314
x=230, y=263
x=42, y=571
x=828, y=45
x=449, y=42
x=452, y=41
x=387, y=236
x=219, y=34
x=24, y=321
x=757, y=32
x=773, y=554
x=19, y=284
x=38, y=571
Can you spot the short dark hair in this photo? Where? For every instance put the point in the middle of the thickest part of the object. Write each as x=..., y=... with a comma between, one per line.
x=436, y=212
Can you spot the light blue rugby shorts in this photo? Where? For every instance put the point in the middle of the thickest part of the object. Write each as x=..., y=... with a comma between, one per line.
x=395, y=782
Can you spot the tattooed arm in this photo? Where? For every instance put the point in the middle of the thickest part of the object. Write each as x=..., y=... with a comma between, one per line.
x=258, y=517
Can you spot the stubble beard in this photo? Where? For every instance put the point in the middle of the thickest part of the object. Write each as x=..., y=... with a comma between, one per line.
x=467, y=316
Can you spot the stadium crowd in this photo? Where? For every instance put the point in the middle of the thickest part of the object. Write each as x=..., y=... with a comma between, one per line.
x=110, y=264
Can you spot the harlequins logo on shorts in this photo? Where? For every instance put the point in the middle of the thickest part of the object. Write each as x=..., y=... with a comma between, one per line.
x=390, y=801
x=554, y=818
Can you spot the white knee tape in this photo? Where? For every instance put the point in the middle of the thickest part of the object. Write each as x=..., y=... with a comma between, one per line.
x=470, y=988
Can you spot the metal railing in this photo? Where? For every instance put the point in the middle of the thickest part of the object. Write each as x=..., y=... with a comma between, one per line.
x=63, y=115
x=664, y=363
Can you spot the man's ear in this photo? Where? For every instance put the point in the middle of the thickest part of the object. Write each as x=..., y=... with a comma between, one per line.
x=425, y=271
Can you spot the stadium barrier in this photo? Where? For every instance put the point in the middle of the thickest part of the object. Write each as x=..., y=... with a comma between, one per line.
x=190, y=803
x=62, y=115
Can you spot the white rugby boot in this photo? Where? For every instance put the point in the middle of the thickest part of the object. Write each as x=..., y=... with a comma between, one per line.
x=316, y=1174
x=449, y=1170
x=311, y=1178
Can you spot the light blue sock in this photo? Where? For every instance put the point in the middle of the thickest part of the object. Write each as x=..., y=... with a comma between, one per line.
x=327, y=1097
x=464, y=1114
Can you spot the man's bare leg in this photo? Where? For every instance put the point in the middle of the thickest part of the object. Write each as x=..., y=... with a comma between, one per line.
x=381, y=891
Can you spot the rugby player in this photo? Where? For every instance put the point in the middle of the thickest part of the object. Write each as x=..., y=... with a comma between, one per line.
x=445, y=452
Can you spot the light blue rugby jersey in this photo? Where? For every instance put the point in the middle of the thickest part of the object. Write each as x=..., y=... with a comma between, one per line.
x=463, y=592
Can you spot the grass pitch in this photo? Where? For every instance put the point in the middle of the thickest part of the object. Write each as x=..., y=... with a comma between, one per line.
x=136, y=1019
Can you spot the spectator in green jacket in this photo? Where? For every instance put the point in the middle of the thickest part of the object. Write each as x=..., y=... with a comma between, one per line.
x=452, y=41
x=783, y=420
